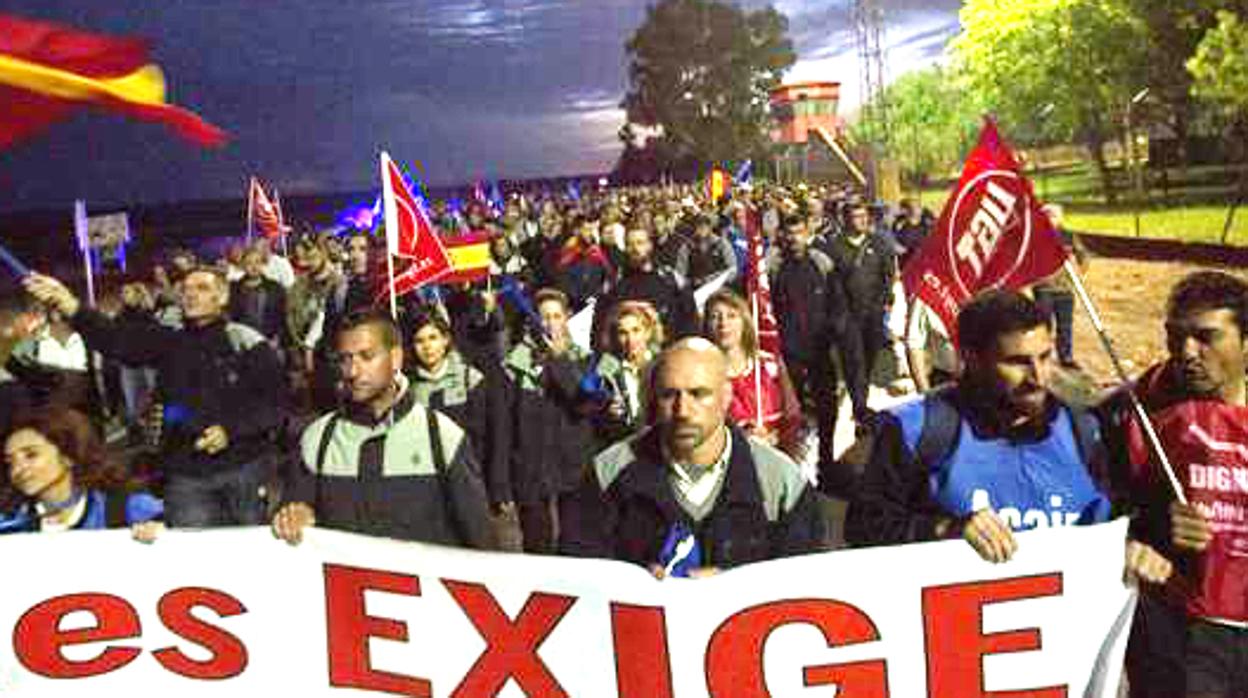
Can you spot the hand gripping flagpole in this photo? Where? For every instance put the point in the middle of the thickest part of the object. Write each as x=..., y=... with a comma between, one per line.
x=1140, y=413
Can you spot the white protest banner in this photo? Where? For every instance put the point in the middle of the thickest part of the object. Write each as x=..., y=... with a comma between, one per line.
x=234, y=612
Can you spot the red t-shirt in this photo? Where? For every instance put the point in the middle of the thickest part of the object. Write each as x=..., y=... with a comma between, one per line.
x=1207, y=442
x=743, y=410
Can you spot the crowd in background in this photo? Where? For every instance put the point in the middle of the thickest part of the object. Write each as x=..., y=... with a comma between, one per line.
x=606, y=390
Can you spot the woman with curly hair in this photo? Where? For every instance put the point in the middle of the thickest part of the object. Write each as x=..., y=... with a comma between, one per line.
x=57, y=479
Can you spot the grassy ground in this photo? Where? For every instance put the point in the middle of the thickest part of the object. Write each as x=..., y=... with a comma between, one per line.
x=1189, y=206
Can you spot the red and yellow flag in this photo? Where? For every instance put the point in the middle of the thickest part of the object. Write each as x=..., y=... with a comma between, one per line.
x=48, y=70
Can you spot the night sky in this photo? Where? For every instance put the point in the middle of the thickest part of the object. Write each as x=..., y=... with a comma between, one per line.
x=310, y=90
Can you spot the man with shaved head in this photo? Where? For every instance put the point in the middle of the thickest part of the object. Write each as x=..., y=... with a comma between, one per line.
x=692, y=494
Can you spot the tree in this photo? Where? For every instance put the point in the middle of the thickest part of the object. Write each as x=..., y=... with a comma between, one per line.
x=932, y=120
x=1219, y=67
x=1080, y=56
x=700, y=72
x=1219, y=70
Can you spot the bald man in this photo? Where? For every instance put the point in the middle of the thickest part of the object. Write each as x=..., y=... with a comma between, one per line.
x=692, y=495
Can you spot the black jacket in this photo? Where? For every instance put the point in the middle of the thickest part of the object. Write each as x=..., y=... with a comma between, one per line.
x=809, y=302
x=660, y=288
x=551, y=432
x=261, y=307
x=477, y=402
x=866, y=272
x=219, y=374
x=383, y=477
x=626, y=507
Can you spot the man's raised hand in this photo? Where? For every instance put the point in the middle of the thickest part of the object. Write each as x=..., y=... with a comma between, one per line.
x=52, y=293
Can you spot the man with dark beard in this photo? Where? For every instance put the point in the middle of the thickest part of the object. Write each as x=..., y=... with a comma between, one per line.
x=994, y=454
x=642, y=281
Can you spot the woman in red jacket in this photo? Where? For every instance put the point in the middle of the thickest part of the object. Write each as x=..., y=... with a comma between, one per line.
x=776, y=418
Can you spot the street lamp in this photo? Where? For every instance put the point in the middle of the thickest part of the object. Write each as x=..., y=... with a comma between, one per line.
x=1136, y=171
x=1041, y=117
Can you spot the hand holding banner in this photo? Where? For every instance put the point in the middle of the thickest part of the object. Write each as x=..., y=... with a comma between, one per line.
x=232, y=610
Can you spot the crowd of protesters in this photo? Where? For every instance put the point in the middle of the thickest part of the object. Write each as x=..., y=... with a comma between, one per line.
x=262, y=389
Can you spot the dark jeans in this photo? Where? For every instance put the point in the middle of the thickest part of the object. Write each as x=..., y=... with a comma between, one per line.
x=814, y=381
x=860, y=347
x=1060, y=303
x=1155, y=651
x=229, y=498
x=539, y=524
x=1217, y=660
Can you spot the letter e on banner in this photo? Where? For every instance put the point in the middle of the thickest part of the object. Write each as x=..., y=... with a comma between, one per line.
x=953, y=630
x=349, y=628
x=229, y=655
x=37, y=639
x=734, y=658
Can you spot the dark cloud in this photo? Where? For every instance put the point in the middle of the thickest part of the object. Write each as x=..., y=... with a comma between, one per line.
x=310, y=89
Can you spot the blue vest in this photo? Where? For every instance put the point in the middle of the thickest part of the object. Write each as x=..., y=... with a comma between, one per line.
x=1029, y=485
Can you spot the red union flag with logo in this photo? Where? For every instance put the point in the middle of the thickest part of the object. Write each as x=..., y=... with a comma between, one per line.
x=409, y=234
x=991, y=234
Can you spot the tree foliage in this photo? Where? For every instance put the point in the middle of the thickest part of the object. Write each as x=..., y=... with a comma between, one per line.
x=1083, y=57
x=1219, y=67
x=699, y=76
x=932, y=120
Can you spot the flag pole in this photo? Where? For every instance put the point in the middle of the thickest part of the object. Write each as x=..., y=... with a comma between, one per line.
x=250, y=212
x=1140, y=413
x=758, y=365
x=83, y=234
x=394, y=306
x=281, y=222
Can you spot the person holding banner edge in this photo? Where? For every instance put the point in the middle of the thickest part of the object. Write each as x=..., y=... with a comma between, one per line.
x=1188, y=638
x=383, y=464
x=994, y=453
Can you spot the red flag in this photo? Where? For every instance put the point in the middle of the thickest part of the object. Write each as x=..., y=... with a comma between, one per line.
x=48, y=70
x=409, y=234
x=266, y=216
x=991, y=234
x=758, y=287
x=470, y=258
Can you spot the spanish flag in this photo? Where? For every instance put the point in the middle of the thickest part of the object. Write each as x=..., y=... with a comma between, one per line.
x=48, y=70
x=470, y=258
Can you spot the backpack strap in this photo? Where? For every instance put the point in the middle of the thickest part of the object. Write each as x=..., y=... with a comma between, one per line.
x=327, y=436
x=1086, y=428
x=939, y=435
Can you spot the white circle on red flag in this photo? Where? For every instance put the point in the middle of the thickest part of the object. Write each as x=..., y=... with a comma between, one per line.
x=967, y=204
